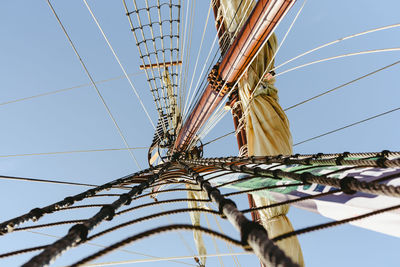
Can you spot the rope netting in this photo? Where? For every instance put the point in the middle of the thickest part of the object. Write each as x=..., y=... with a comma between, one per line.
x=131, y=213
x=158, y=200
x=155, y=25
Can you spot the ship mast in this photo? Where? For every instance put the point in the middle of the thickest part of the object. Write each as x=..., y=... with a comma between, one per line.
x=261, y=23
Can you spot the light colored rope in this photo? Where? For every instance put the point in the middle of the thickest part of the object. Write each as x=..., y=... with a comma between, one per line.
x=342, y=85
x=366, y=52
x=119, y=63
x=246, y=111
x=189, y=46
x=154, y=258
x=65, y=89
x=214, y=241
x=163, y=89
x=167, y=258
x=93, y=83
x=337, y=41
x=230, y=72
x=347, y=126
x=227, y=43
x=228, y=246
x=280, y=45
x=71, y=152
x=184, y=114
x=215, y=116
x=198, y=55
x=25, y=179
x=153, y=90
x=209, y=126
x=184, y=38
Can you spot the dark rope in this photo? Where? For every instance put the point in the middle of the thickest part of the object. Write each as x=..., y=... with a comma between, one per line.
x=347, y=126
x=169, y=201
x=166, y=191
x=79, y=232
x=332, y=224
x=218, y=138
x=21, y=251
x=47, y=225
x=291, y=201
x=158, y=230
x=262, y=188
x=150, y=217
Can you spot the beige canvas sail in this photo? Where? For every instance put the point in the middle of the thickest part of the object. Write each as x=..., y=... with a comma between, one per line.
x=267, y=127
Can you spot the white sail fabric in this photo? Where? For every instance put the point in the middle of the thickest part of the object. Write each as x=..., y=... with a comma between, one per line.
x=336, y=206
x=267, y=127
x=195, y=218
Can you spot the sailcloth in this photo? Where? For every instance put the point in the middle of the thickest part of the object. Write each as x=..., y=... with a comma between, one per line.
x=267, y=127
x=195, y=219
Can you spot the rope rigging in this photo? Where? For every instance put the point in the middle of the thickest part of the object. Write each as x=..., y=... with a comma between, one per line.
x=94, y=85
x=159, y=54
x=324, y=134
x=66, y=89
x=225, y=39
x=71, y=152
x=156, y=30
x=152, y=201
x=214, y=119
x=347, y=126
x=268, y=168
x=343, y=85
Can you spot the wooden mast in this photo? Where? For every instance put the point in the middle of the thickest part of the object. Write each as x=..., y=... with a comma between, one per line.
x=236, y=110
x=259, y=26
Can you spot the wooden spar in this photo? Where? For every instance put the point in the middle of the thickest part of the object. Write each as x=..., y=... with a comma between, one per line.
x=237, y=115
x=161, y=65
x=219, y=23
x=259, y=26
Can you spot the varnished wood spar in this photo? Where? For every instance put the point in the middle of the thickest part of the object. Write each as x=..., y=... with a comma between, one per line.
x=262, y=21
x=219, y=23
x=161, y=65
x=260, y=25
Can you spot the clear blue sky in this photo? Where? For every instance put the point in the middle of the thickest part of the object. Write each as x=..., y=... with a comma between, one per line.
x=36, y=58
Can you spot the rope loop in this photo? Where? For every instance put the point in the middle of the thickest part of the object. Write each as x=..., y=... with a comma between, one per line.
x=81, y=229
x=275, y=174
x=385, y=153
x=246, y=228
x=381, y=162
x=305, y=176
x=223, y=202
x=69, y=200
x=109, y=210
x=36, y=213
x=345, y=185
x=126, y=198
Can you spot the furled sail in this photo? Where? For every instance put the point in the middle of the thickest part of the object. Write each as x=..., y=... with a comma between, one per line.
x=267, y=126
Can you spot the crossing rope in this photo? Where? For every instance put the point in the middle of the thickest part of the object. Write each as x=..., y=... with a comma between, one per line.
x=202, y=172
x=158, y=50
